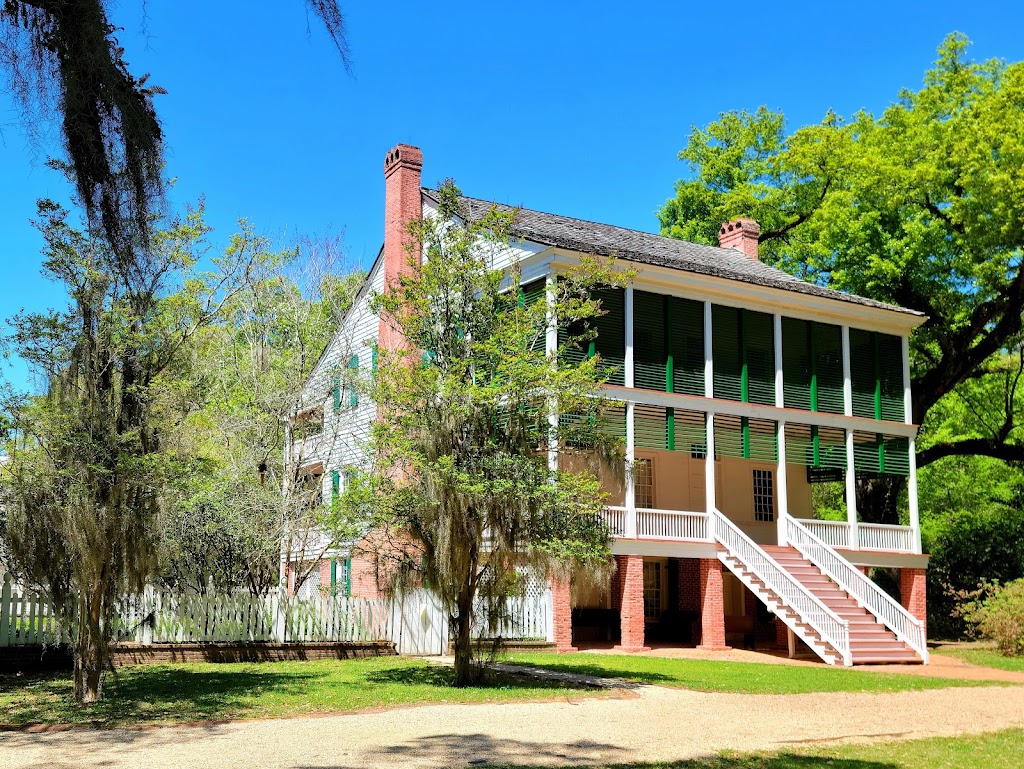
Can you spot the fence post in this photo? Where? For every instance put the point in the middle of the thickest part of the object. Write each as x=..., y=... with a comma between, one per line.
x=279, y=606
x=5, y=612
x=149, y=615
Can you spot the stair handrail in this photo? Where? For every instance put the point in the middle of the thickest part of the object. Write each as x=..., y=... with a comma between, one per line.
x=904, y=625
x=833, y=630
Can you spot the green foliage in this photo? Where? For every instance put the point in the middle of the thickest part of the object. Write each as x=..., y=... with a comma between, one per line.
x=996, y=612
x=85, y=486
x=968, y=549
x=921, y=206
x=459, y=460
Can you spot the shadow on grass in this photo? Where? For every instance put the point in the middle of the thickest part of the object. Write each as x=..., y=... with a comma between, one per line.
x=441, y=676
x=148, y=693
x=596, y=671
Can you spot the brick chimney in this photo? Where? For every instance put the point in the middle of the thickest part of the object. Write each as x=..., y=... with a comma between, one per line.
x=740, y=234
x=402, y=204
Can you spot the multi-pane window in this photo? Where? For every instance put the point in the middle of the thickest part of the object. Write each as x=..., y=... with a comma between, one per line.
x=653, y=581
x=764, y=497
x=643, y=483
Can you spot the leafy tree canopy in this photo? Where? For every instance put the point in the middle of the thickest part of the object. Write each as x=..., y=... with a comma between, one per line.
x=922, y=206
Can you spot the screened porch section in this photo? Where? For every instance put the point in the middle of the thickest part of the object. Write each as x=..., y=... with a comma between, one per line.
x=783, y=404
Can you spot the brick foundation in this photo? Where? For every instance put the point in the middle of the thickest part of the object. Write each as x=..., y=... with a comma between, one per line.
x=561, y=614
x=913, y=593
x=632, y=611
x=712, y=606
x=781, y=635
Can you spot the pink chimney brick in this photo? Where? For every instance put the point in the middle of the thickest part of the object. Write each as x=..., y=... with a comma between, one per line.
x=740, y=234
x=403, y=166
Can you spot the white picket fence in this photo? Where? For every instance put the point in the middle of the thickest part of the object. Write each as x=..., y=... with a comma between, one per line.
x=414, y=622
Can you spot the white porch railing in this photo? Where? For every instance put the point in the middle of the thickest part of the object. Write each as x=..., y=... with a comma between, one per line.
x=906, y=626
x=866, y=536
x=880, y=536
x=671, y=524
x=831, y=629
x=654, y=523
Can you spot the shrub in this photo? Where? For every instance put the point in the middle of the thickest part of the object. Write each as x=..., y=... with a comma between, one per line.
x=997, y=613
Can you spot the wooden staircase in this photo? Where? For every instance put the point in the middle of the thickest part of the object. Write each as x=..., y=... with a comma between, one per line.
x=870, y=641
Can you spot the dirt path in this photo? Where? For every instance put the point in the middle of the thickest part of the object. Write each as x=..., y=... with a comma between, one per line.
x=660, y=724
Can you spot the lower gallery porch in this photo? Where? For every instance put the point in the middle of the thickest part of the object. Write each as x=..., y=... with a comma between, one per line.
x=685, y=602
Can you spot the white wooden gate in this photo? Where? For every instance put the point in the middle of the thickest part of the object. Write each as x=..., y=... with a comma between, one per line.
x=418, y=624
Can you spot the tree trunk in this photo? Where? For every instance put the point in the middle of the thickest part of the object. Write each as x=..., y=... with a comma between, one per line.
x=463, y=626
x=89, y=653
x=878, y=499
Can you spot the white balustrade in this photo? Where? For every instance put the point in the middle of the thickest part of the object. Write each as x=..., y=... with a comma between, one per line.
x=671, y=524
x=868, y=536
x=615, y=519
x=830, y=628
x=880, y=536
x=890, y=613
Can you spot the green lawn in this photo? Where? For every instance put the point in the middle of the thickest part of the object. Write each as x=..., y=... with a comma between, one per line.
x=744, y=677
x=998, y=750
x=178, y=693
x=986, y=656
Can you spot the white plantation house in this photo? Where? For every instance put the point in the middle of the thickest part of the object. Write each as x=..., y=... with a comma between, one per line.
x=743, y=388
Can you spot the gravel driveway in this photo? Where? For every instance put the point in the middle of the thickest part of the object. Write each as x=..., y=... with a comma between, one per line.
x=649, y=724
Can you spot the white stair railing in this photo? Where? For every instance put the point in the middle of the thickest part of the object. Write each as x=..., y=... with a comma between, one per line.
x=861, y=588
x=832, y=629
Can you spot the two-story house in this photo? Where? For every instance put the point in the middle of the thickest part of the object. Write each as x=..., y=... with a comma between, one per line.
x=744, y=387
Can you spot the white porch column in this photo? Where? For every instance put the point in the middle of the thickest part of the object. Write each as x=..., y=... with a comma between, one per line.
x=709, y=390
x=850, y=475
x=551, y=348
x=780, y=402
x=908, y=417
x=630, y=422
x=781, y=481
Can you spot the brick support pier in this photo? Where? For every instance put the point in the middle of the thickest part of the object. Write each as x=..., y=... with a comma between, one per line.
x=913, y=593
x=561, y=614
x=631, y=571
x=712, y=606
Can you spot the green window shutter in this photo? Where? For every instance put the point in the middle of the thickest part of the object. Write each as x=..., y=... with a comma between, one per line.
x=690, y=432
x=890, y=375
x=530, y=294
x=876, y=454
x=612, y=421
x=895, y=456
x=610, y=343
x=335, y=488
x=762, y=440
x=827, y=349
x=728, y=436
x=348, y=576
x=726, y=349
x=650, y=427
x=337, y=392
x=814, y=446
x=649, y=348
x=862, y=372
x=353, y=394
x=686, y=345
x=796, y=363
x=334, y=575
x=759, y=356
x=373, y=359
x=427, y=357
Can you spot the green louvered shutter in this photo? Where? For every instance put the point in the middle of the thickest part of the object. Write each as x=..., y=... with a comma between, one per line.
x=796, y=363
x=728, y=436
x=650, y=427
x=612, y=421
x=373, y=359
x=727, y=352
x=337, y=393
x=353, y=394
x=649, y=350
x=334, y=576
x=348, y=576
x=611, y=334
x=862, y=372
x=686, y=345
x=335, y=489
x=529, y=294
x=827, y=349
x=881, y=454
x=690, y=432
x=890, y=376
x=895, y=456
x=759, y=356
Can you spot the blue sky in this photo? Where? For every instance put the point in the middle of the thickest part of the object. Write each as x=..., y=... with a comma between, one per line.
x=576, y=108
